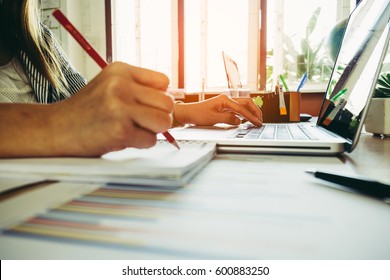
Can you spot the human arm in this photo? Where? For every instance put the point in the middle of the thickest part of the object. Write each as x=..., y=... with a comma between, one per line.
x=123, y=106
x=219, y=109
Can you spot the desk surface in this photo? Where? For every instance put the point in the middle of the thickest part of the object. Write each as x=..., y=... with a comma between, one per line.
x=371, y=157
x=238, y=207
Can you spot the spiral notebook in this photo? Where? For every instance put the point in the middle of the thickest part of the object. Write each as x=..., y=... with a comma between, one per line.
x=162, y=165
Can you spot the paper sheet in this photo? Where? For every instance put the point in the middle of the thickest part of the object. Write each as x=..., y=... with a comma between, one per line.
x=162, y=165
x=9, y=183
x=238, y=207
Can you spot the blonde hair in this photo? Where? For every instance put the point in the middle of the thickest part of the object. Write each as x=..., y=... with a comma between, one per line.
x=22, y=31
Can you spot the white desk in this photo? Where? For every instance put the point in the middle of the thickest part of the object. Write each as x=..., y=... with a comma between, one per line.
x=249, y=207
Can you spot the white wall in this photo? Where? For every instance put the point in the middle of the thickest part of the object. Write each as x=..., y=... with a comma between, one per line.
x=88, y=16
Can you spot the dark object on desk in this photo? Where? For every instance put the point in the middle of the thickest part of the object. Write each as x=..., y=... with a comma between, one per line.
x=361, y=184
x=271, y=107
x=305, y=117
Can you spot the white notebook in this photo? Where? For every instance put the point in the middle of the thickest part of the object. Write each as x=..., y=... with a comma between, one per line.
x=162, y=165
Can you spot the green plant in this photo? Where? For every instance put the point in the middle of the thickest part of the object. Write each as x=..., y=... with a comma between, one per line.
x=309, y=53
x=309, y=59
x=383, y=86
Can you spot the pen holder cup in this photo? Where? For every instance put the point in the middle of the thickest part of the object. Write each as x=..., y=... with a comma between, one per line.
x=271, y=110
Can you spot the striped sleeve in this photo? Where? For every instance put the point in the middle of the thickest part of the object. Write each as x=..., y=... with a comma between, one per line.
x=39, y=83
x=43, y=90
x=75, y=81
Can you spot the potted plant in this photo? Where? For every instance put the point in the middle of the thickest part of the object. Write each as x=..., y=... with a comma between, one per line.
x=378, y=115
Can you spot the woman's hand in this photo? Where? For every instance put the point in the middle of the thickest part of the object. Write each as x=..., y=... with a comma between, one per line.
x=123, y=106
x=219, y=109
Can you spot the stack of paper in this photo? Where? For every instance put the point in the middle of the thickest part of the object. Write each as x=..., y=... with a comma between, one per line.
x=163, y=165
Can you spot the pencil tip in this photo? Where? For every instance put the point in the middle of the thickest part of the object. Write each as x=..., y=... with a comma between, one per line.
x=176, y=145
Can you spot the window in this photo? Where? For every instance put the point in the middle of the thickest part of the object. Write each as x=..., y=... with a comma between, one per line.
x=298, y=40
x=212, y=27
x=145, y=33
x=142, y=33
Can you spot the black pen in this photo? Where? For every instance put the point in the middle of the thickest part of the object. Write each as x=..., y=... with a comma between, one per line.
x=359, y=183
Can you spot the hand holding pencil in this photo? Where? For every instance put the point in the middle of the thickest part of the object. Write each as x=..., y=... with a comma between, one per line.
x=145, y=106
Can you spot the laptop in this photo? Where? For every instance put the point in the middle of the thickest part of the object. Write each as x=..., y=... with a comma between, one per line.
x=345, y=103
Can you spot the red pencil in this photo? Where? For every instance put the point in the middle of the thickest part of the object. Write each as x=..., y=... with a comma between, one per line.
x=94, y=54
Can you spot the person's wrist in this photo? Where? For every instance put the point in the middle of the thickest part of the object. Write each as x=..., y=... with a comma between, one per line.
x=175, y=122
x=178, y=115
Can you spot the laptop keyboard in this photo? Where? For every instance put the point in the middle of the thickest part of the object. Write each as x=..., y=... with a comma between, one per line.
x=276, y=131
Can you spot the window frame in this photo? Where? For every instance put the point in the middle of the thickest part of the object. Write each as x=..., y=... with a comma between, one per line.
x=257, y=52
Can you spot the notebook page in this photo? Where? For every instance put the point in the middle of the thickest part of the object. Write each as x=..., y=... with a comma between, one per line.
x=163, y=162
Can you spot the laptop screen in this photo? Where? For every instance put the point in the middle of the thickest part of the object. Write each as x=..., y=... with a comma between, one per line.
x=356, y=70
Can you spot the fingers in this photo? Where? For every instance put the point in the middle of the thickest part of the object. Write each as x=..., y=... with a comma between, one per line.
x=136, y=137
x=139, y=127
x=124, y=106
x=150, y=78
x=141, y=139
x=244, y=107
x=139, y=75
x=144, y=86
x=148, y=96
x=150, y=119
x=142, y=92
x=251, y=106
